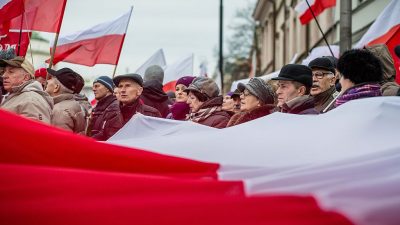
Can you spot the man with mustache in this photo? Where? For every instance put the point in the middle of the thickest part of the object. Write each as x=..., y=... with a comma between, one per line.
x=323, y=87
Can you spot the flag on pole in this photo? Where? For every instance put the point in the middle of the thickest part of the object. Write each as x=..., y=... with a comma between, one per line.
x=190, y=177
x=11, y=40
x=37, y=15
x=100, y=44
x=317, y=6
x=385, y=30
x=158, y=58
x=9, y=9
x=180, y=68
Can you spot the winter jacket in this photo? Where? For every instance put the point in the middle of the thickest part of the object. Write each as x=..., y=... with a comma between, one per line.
x=106, y=119
x=300, y=105
x=363, y=90
x=322, y=100
x=242, y=117
x=217, y=118
x=68, y=114
x=29, y=100
x=154, y=96
x=129, y=110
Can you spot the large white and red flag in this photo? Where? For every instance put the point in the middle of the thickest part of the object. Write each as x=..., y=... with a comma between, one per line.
x=28, y=15
x=385, y=30
x=176, y=70
x=317, y=6
x=158, y=58
x=193, y=174
x=101, y=44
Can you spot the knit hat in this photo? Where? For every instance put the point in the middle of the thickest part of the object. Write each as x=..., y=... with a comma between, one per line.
x=186, y=80
x=41, y=72
x=154, y=72
x=106, y=81
x=69, y=78
x=260, y=89
x=322, y=63
x=19, y=62
x=296, y=72
x=204, y=85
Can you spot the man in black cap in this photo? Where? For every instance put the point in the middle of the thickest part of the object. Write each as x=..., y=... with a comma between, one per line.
x=323, y=88
x=294, y=84
x=130, y=88
x=67, y=113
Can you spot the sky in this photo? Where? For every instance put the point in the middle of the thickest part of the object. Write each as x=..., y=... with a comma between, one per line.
x=180, y=27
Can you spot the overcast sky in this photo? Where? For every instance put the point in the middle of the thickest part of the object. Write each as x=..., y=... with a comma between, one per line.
x=180, y=27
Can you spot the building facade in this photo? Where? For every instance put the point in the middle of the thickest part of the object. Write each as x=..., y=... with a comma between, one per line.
x=280, y=34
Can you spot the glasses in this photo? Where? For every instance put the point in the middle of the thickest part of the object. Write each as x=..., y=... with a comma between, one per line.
x=320, y=75
x=245, y=93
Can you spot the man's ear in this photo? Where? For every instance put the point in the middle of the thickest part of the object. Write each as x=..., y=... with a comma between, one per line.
x=302, y=90
x=140, y=90
x=56, y=88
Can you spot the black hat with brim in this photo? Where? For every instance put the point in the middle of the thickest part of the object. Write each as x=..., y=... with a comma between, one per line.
x=296, y=72
x=131, y=76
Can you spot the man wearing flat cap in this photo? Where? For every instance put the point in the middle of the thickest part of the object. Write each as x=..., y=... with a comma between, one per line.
x=26, y=96
x=294, y=84
x=130, y=88
x=67, y=113
x=324, y=79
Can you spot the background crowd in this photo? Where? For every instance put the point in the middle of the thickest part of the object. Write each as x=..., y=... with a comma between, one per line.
x=53, y=96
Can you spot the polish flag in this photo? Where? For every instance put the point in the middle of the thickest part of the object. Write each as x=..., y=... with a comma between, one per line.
x=9, y=9
x=385, y=30
x=248, y=174
x=38, y=15
x=101, y=44
x=176, y=70
x=158, y=58
x=317, y=6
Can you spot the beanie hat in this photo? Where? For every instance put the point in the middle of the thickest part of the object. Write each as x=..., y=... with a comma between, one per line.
x=186, y=81
x=260, y=89
x=41, y=72
x=154, y=72
x=106, y=81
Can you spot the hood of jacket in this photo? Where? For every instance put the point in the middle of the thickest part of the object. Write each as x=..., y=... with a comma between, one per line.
x=152, y=90
x=382, y=52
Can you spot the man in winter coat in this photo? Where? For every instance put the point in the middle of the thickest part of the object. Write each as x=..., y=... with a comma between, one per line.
x=26, y=96
x=294, y=84
x=130, y=88
x=324, y=79
x=106, y=118
x=153, y=94
x=67, y=113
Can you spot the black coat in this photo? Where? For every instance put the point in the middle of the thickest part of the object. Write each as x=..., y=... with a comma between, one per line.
x=106, y=119
x=154, y=96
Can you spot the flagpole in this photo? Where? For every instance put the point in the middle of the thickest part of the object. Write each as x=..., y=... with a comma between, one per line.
x=123, y=40
x=20, y=32
x=53, y=51
x=319, y=27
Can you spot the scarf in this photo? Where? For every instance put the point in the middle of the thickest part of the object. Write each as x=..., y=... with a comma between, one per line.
x=203, y=114
x=359, y=91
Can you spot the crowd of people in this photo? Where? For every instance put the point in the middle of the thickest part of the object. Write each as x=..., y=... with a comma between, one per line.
x=53, y=96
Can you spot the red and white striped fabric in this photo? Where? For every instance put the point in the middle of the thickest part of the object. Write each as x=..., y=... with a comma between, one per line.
x=100, y=44
x=50, y=176
x=385, y=30
x=176, y=70
x=317, y=6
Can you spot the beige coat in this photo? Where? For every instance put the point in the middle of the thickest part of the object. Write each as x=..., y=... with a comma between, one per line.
x=29, y=100
x=68, y=114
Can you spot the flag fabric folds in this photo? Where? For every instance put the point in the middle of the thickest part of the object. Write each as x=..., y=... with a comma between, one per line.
x=158, y=58
x=39, y=15
x=317, y=6
x=385, y=30
x=11, y=39
x=101, y=44
x=176, y=70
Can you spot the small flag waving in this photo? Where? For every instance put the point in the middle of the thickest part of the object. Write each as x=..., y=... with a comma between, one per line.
x=100, y=44
x=158, y=58
x=385, y=30
x=317, y=6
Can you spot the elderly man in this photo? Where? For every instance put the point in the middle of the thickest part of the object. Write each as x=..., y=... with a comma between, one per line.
x=26, y=96
x=294, y=84
x=67, y=113
x=130, y=88
x=323, y=87
x=106, y=118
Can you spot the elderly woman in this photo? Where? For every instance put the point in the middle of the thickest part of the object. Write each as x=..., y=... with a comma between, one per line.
x=257, y=100
x=361, y=74
x=206, y=104
x=180, y=108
